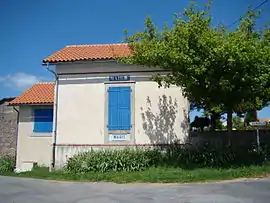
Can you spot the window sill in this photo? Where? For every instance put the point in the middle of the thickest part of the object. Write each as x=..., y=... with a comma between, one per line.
x=36, y=134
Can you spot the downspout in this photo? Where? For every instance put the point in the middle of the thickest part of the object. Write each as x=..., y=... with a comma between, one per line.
x=55, y=116
x=17, y=133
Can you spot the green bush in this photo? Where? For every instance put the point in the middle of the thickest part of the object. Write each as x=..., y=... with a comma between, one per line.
x=7, y=164
x=225, y=157
x=173, y=156
x=112, y=160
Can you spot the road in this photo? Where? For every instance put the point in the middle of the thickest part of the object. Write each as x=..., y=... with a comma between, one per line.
x=22, y=190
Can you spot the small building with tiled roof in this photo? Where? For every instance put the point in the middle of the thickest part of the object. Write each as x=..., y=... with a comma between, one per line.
x=35, y=125
x=96, y=102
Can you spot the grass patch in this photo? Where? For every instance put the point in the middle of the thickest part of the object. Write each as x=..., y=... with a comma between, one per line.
x=153, y=175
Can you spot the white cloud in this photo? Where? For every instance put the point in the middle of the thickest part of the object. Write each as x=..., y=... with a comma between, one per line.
x=20, y=80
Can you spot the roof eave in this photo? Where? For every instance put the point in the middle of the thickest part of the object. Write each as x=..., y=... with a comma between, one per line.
x=45, y=63
x=31, y=104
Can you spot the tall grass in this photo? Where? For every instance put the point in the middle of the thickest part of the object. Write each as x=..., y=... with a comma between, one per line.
x=129, y=160
x=153, y=174
x=113, y=160
x=7, y=164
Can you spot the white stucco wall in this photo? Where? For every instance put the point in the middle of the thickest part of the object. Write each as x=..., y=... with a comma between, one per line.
x=31, y=147
x=80, y=113
x=82, y=105
x=161, y=114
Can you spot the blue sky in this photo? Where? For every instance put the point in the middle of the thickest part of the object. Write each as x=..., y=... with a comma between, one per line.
x=31, y=30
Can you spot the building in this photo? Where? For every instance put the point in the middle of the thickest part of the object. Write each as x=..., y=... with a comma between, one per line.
x=266, y=120
x=96, y=103
x=34, y=142
x=8, y=128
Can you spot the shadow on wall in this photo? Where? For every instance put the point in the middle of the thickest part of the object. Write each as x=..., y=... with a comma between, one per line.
x=159, y=125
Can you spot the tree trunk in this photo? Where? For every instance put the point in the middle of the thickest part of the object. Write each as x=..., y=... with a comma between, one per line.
x=213, y=122
x=255, y=115
x=214, y=119
x=229, y=125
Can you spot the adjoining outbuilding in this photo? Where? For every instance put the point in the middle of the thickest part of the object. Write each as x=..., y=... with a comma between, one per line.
x=34, y=142
x=96, y=103
x=8, y=128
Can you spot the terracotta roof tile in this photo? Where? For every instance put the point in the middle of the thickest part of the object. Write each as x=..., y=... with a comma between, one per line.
x=89, y=52
x=264, y=119
x=40, y=93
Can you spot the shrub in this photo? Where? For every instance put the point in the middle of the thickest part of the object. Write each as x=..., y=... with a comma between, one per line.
x=7, y=164
x=222, y=157
x=112, y=160
x=140, y=159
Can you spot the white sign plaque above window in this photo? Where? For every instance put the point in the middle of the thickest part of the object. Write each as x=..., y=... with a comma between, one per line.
x=119, y=137
x=119, y=78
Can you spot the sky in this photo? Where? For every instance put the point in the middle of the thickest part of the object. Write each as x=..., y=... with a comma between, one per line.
x=32, y=30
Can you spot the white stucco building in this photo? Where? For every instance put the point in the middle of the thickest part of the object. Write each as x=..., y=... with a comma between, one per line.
x=96, y=102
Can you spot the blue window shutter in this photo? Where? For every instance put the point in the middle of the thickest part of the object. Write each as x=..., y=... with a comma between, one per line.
x=124, y=108
x=43, y=119
x=112, y=108
x=119, y=108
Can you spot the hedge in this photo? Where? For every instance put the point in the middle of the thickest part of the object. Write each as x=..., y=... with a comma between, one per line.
x=139, y=159
x=7, y=164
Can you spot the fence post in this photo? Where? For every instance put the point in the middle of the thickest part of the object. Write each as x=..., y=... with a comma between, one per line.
x=258, y=138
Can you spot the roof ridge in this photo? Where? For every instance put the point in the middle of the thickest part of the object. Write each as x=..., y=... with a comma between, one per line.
x=92, y=45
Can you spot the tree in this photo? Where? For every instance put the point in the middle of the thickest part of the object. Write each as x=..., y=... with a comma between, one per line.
x=215, y=114
x=213, y=66
x=200, y=123
x=250, y=116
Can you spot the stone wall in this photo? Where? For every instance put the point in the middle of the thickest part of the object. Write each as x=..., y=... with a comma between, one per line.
x=8, y=128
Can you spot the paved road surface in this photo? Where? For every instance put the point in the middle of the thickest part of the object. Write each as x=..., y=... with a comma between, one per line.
x=20, y=190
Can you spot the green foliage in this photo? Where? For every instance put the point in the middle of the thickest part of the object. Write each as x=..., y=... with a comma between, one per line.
x=238, y=124
x=7, y=164
x=112, y=160
x=209, y=157
x=141, y=159
x=156, y=175
x=215, y=118
x=216, y=67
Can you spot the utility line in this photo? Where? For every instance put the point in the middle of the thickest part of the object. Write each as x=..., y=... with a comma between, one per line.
x=258, y=6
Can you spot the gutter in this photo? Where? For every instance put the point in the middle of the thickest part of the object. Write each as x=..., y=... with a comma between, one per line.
x=86, y=61
x=55, y=105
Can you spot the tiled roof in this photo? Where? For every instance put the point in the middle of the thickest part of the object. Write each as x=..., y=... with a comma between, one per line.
x=264, y=119
x=40, y=93
x=89, y=52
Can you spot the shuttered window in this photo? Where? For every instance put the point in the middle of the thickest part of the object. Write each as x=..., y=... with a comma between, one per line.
x=119, y=117
x=43, y=120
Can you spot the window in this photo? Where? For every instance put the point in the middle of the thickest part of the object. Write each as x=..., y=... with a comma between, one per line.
x=43, y=120
x=119, y=108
